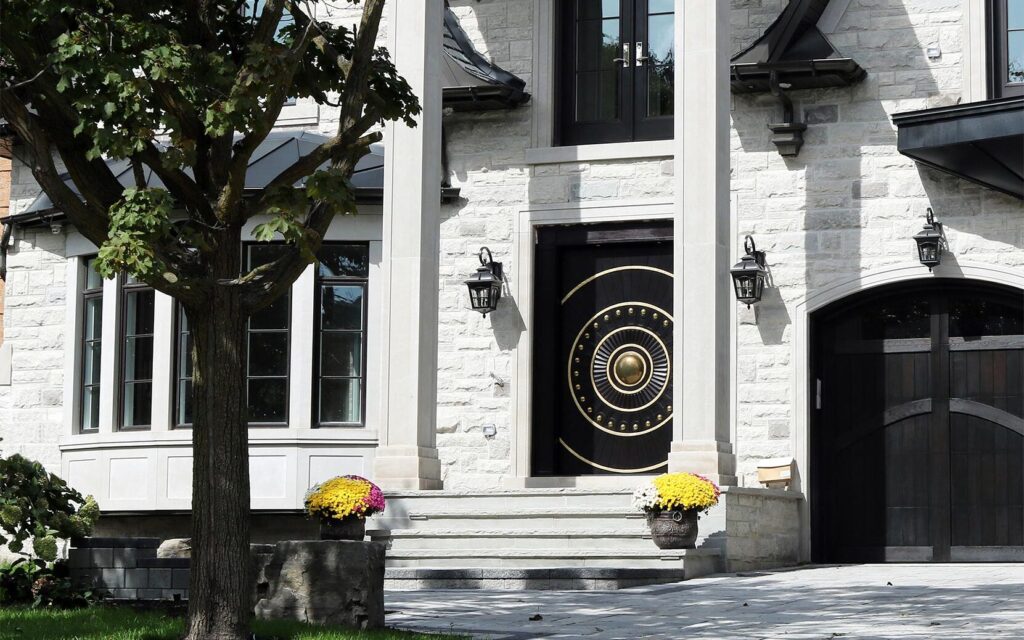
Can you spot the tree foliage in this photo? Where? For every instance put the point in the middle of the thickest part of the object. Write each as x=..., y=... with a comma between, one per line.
x=188, y=90
x=38, y=507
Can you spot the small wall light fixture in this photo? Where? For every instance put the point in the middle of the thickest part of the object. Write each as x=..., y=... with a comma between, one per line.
x=749, y=274
x=931, y=242
x=485, y=285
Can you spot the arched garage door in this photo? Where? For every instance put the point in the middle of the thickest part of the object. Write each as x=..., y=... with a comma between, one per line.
x=917, y=431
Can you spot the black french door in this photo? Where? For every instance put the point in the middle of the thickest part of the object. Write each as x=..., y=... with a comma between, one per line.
x=918, y=425
x=616, y=67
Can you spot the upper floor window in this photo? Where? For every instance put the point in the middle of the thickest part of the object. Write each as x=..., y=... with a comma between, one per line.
x=268, y=348
x=1007, y=48
x=616, y=70
x=92, y=332
x=340, y=373
x=137, y=356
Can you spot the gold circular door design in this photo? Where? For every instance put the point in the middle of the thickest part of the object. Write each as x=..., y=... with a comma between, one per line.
x=619, y=367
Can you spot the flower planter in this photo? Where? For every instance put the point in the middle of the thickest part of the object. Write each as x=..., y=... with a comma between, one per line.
x=351, y=528
x=673, y=529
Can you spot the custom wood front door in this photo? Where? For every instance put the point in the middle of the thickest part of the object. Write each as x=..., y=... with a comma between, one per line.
x=602, y=363
x=918, y=425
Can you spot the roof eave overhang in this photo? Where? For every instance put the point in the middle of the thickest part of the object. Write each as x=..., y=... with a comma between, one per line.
x=980, y=142
x=483, y=98
x=798, y=74
x=363, y=196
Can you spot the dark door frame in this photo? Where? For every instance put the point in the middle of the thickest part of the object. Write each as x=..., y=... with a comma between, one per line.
x=939, y=406
x=548, y=240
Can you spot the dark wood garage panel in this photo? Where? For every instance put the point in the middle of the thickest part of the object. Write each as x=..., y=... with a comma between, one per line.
x=918, y=425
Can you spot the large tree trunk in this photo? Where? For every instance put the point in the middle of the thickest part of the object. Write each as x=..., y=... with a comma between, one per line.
x=219, y=607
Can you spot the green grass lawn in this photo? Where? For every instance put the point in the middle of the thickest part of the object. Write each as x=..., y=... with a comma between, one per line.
x=124, y=623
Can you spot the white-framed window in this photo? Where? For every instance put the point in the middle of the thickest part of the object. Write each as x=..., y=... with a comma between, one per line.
x=91, y=346
x=339, y=385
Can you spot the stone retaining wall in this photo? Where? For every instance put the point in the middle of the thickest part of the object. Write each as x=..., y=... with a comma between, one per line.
x=314, y=581
x=128, y=568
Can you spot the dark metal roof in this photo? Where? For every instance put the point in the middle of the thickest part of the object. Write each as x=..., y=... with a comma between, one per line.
x=471, y=82
x=277, y=152
x=982, y=142
x=794, y=47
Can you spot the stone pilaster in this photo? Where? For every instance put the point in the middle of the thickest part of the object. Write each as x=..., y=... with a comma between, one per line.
x=703, y=302
x=407, y=455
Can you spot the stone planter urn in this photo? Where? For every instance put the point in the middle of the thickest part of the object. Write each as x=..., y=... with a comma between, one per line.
x=673, y=529
x=351, y=528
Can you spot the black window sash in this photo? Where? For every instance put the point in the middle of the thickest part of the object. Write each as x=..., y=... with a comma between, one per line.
x=127, y=289
x=284, y=299
x=571, y=129
x=323, y=282
x=182, y=370
x=653, y=121
x=89, y=388
x=999, y=35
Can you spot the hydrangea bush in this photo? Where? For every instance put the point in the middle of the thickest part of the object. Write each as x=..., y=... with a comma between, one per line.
x=344, y=497
x=40, y=506
x=670, y=491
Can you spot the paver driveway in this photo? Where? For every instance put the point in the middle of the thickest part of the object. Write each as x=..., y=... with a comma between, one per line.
x=866, y=601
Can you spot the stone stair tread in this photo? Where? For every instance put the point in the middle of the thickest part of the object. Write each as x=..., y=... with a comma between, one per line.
x=552, y=553
x=519, y=533
x=561, y=512
x=511, y=493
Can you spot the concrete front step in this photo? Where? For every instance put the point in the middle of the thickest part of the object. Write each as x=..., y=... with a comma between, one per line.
x=505, y=499
x=514, y=519
x=543, y=558
x=638, y=538
x=559, y=572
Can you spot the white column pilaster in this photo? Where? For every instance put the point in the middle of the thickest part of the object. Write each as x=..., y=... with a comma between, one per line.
x=702, y=298
x=110, y=357
x=301, y=412
x=164, y=354
x=407, y=456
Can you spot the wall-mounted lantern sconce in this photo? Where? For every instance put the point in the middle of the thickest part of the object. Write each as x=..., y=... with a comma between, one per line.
x=931, y=242
x=749, y=274
x=485, y=284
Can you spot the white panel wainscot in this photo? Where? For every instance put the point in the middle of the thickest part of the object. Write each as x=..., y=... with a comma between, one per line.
x=152, y=471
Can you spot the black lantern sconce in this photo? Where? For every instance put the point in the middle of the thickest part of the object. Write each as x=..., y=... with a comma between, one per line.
x=931, y=242
x=485, y=284
x=749, y=274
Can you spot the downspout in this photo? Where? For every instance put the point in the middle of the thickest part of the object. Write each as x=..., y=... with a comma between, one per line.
x=5, y=241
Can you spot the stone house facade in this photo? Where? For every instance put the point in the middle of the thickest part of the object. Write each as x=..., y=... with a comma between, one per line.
x=463, y=404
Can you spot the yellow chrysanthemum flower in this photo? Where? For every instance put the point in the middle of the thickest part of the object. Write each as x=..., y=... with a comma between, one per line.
x=685, y=491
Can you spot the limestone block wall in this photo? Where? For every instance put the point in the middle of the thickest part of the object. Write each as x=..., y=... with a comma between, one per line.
x=487, y=160
x=849, y=203
x=31, y=413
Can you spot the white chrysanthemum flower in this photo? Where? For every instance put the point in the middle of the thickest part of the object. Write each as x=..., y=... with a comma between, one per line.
x=645, y=497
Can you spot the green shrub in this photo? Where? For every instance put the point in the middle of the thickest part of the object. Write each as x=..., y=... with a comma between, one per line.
x=39, y=505
x=42, y=584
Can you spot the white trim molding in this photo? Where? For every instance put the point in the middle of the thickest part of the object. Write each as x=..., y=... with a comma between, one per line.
x=521, y=288
x=802, y=310
x=597, y=152
x=975, y=54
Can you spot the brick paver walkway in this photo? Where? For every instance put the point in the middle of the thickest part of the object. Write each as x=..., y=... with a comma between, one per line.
x=868, y=601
